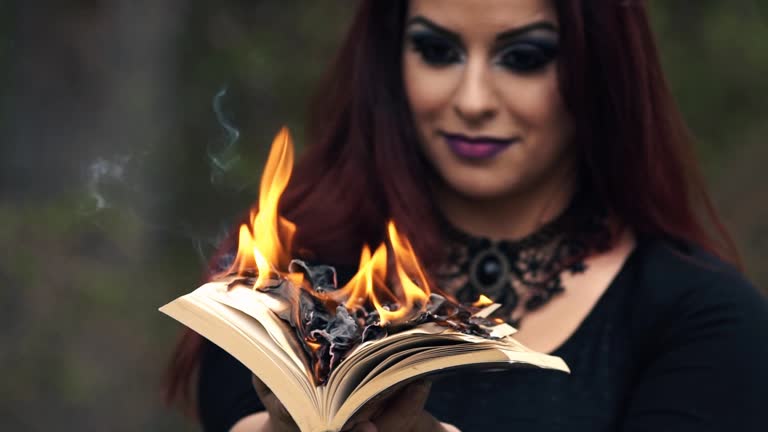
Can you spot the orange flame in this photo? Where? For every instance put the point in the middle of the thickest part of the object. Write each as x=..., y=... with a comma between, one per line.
x=482, y=301
x=370, y=281
x=265, y=242
x=264, y=245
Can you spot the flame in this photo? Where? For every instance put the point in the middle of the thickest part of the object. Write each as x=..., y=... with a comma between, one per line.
x=408, y=270
x=264, y=245
x=482, y=301
x=370, y=282
x=314, y=346
x=269, y=249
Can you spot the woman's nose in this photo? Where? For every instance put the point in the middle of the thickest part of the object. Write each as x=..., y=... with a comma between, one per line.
x=475, y=100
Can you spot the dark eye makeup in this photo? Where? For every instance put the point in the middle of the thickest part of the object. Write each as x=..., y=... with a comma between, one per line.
x=525, y=55
x=435, y=50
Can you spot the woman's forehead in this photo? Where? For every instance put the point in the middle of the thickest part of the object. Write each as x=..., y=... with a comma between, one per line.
x=483, y=16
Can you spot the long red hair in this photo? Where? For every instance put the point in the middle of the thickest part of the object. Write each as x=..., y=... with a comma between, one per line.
x=360, y=168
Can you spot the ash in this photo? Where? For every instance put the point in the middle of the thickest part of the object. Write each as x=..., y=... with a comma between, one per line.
x=328, y=331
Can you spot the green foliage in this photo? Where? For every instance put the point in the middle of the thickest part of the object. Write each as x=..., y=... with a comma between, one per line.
x=714, y=55
x=269, y=66
x=81, y=288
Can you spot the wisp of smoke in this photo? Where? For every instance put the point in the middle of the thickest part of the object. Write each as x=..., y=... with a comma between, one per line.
x=113, y=182
x=103, y=171
x=226, y=158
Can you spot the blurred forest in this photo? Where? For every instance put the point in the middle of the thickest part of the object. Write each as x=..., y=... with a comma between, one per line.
x=133, y=132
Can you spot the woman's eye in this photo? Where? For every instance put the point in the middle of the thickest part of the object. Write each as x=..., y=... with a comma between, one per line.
x=527, y=57
x=436, y=52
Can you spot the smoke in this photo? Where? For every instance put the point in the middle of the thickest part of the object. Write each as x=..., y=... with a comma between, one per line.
x=117, y=183
x=105, y=174
x=112, y=183
x=205, y=246
x=107, y=177
x=223, y=156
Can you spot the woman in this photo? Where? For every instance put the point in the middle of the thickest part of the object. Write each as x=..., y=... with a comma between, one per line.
x=532, y=152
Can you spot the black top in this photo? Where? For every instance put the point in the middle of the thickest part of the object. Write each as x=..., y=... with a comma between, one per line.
x=678, y=342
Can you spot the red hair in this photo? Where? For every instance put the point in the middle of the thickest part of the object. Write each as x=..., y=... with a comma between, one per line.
x=362, y=166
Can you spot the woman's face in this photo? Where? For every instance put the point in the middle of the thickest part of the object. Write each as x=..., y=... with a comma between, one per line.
x=481, y=82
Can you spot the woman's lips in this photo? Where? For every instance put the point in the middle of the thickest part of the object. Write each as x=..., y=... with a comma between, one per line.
x=476, y=148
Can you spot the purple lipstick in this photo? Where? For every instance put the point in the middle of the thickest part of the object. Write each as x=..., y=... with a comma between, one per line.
x=476, y=148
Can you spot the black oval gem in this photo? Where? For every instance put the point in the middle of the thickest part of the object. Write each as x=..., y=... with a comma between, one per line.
x=489, y=270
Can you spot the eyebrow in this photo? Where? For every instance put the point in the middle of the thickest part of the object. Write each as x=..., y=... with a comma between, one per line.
x=509, y=34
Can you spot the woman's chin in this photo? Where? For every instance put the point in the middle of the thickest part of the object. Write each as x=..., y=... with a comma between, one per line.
x=480, y=190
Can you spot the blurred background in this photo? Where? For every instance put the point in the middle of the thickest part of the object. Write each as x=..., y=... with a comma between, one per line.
x=133, y=132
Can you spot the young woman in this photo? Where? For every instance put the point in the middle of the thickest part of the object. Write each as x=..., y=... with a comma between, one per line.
x=532, y=152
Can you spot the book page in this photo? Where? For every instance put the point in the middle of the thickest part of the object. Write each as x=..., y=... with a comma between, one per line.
x=260, y=306
x=428, y=365
x=360, y=363
x=249, y=342
x=354, y=370
x=242, y=322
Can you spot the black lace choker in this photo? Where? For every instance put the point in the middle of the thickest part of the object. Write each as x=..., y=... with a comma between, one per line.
x=523, y=275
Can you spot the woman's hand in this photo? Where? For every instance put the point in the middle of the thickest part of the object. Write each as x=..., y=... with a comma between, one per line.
x=394, y=411
x=400, y=411
x=279, y=420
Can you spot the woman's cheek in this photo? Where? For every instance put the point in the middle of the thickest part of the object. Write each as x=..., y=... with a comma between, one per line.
x=530, y=101
x=428, y=90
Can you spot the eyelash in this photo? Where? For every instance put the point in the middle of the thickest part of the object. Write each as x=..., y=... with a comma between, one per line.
x=527, y=56
x=435, y=51
x=520, y=57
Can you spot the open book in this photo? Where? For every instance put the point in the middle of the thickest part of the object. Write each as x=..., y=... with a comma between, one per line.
x=243, y=322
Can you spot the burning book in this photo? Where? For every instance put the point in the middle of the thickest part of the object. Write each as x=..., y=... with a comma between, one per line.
x=324, y=349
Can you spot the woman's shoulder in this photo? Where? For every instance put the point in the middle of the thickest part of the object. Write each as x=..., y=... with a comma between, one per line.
x=668, y=271
x=683, y=288
x=698, y=330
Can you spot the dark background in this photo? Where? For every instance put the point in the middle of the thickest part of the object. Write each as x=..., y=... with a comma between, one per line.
x=117, y=178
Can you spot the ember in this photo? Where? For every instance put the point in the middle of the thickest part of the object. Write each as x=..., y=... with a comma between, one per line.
x=389, y=293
